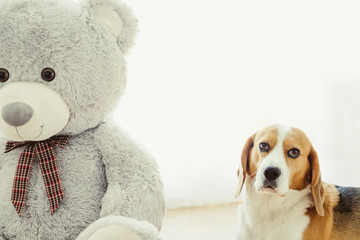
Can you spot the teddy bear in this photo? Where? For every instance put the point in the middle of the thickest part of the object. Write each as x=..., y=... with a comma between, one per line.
x=66, y=170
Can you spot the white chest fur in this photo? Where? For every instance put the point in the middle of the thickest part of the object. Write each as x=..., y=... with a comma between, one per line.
x=271, y=217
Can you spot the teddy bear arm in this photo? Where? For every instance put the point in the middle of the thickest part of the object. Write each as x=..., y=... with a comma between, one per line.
x=144, y=203
x=133, y=178
x=134, y=197
x=139, y=212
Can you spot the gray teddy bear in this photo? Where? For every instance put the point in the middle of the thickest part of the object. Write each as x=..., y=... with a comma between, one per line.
x=65, y=173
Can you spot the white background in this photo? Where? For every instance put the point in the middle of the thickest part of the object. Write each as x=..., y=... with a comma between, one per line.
x=204, y=75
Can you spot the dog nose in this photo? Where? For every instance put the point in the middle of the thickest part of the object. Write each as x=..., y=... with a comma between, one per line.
x=17, y=114
x=272, y=173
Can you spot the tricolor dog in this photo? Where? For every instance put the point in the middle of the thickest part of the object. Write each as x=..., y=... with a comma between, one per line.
x=284, y=197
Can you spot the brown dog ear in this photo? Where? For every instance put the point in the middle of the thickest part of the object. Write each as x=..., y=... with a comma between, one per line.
x=244, y=166
x=317, y=188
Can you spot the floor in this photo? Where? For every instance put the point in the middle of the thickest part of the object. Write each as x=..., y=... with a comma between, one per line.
x=205, y=223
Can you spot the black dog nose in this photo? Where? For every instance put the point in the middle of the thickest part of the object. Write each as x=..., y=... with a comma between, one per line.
x=17, y=114
x=272, y=173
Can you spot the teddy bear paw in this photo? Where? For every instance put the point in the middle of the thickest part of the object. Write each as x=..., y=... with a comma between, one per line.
x=114, y=232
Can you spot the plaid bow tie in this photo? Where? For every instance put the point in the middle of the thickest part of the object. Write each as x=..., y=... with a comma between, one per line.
x=44, y=151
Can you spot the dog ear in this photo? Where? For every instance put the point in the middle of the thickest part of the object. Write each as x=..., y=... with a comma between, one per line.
x=317, y=188
x=244, y=166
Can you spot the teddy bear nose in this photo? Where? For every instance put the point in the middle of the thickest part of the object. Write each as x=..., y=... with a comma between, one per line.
x=17, y=114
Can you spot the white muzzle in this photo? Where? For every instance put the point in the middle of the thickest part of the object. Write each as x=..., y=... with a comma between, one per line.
x=31, y=111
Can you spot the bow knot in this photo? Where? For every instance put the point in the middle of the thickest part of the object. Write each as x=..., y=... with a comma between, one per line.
x=45, y=153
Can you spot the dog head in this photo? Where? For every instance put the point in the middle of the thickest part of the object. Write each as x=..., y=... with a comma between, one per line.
x=279, y=158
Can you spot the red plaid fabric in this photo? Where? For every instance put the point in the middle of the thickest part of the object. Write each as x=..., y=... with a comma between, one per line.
x=44, y=151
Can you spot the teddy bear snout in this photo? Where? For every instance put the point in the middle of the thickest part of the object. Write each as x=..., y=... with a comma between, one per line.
x=17, y=114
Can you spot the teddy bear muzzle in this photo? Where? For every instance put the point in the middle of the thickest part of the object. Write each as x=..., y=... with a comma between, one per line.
x=31, y=111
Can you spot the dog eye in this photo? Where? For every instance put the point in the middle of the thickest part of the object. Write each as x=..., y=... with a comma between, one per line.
x=293, y=153
x=48, y=74
x=4, y=75
x=264, y=147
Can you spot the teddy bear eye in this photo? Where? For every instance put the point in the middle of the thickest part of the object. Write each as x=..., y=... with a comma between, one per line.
x=48, y=74
x=4, y=75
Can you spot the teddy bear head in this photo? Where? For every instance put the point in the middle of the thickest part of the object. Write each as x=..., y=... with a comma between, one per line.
x=62, y=65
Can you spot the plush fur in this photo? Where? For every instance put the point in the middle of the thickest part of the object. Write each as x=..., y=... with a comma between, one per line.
x=107, y=177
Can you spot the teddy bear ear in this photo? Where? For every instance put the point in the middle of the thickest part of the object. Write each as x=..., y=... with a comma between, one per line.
x=118, y=18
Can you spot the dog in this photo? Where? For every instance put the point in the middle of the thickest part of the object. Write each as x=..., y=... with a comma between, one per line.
x=284, y=197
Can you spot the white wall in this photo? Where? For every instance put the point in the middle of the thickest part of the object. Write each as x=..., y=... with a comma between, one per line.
x=204, y=75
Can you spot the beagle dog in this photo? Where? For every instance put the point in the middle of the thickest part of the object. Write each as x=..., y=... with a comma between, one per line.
x=284, y=198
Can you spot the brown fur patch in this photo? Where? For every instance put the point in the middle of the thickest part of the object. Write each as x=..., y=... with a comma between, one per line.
x=268, y=135
x=321, y=228
x=300, y=176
